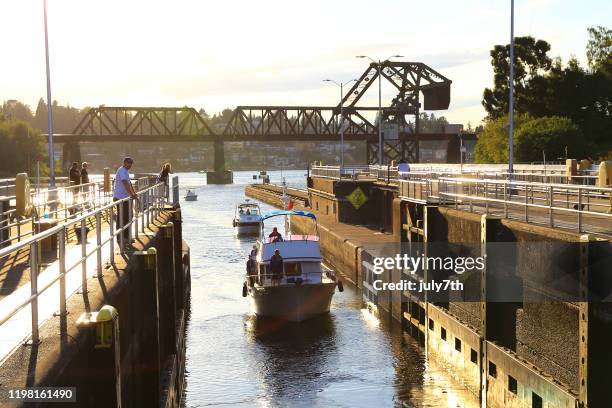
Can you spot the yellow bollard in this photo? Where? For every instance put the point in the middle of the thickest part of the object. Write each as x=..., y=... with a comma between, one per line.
x=605, y=174
x=102, y=363
x=107, y=183
x=571, y=169
x=23, y=206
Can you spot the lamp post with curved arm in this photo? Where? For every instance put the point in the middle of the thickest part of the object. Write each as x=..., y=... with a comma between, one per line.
x=341, y=85
x=379, y=65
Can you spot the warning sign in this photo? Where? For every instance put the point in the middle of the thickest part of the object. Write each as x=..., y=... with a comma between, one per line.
x=357, y=198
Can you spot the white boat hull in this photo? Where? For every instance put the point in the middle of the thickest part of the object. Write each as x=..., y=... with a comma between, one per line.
x=250, y=228
x=292, y=302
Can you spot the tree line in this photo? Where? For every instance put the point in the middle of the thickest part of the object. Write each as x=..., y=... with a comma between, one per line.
x=561, y=110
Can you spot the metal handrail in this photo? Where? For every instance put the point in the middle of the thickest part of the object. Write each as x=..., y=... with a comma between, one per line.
x=580, y=200
x=152, y=199
x=70, y=201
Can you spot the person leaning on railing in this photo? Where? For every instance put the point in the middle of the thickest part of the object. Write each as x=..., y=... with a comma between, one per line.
x=123, y=189
x=163, y=177
x=85, y=180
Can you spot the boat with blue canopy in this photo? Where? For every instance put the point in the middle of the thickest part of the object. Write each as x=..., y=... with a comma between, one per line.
x=287, y=278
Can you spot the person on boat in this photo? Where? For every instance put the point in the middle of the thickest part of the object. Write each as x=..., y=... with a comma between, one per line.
x=250, y=270
x=241, y=211
x=276, y=267
x=248, y=212
x=254, y=251
x=275, y=236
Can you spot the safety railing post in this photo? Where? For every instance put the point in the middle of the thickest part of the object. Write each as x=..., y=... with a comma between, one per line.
x=99, y=244
x=470, y=195
x=120, y=230
x=135, y=215
x=84, y=255
x=65, y=205
x=34, y=265
x=579, y=209
x=111, y=228
x=505, y=200
x=62, y=270
x=486, y=197
x=550, y=206
x=147, y=208
x=526, y=203
x=141, y=213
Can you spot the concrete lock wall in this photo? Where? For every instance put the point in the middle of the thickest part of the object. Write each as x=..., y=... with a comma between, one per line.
x=530, y=338
x=341, y=254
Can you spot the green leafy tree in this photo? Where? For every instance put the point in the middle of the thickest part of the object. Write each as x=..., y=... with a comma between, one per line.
x=15, y=110
x=533, y=136
x=492, y=144
x=553, y=137
x=599, y=49
x=22, y=146
x=531, y=60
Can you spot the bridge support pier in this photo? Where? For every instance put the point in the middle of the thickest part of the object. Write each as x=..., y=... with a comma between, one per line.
x=71, y=152
x=220, y=175
x=393, y=149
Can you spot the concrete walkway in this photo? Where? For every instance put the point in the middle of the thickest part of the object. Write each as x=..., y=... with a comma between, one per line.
x=15, y=268
x=18, y=329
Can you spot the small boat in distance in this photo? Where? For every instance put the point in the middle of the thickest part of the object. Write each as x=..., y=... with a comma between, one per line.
x=191, y=196
x=305, y=287
x=247, y=219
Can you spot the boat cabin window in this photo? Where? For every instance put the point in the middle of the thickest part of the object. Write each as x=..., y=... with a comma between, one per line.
x=293, y=269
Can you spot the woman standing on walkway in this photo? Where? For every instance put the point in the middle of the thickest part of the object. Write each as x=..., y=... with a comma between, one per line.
x=163, y=177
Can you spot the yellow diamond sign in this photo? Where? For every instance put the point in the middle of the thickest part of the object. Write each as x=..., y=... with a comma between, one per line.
x=357, y=198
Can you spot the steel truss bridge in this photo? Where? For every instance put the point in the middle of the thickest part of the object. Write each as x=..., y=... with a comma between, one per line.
x=280, y=123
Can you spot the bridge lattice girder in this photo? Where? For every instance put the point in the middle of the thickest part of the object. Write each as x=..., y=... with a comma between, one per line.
x=409, y=78
x=273, y=122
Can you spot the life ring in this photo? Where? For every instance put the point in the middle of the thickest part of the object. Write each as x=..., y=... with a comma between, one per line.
x=340, y=286
x=244, y=290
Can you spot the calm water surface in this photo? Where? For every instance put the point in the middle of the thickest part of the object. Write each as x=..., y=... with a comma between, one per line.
x=345, y=359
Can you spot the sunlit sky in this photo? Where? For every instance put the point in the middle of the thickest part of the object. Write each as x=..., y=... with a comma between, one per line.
x=218, y=54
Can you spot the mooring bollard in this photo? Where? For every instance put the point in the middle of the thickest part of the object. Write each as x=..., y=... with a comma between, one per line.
x=102, y=365
x=144, y=304
x=166, y=288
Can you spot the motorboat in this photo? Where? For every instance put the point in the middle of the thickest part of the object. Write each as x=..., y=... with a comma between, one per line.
x=247, y=219
x=191, y=196
x=305, y=287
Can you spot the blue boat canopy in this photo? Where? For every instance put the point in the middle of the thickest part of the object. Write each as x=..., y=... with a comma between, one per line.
x=288, y=212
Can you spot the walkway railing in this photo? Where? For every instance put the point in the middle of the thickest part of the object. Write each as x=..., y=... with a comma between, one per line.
x=65, y=203
x=574, y=206
x=150, y=203
x=543, y=173
x=334, y=172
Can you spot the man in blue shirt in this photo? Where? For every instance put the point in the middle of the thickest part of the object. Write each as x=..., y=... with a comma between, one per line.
x=123, y=189
x=403, y=168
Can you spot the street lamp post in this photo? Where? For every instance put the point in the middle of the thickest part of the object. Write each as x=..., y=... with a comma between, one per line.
x=380, y=138
x=49, y=109
x=341, y=85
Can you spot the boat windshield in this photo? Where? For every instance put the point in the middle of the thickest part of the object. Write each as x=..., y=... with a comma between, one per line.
x=248, y=209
